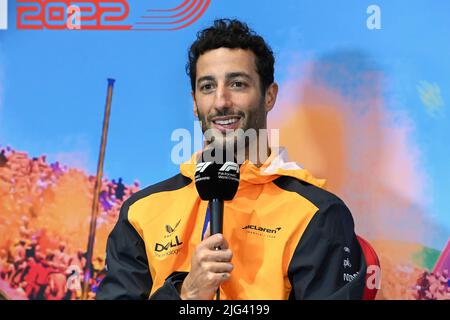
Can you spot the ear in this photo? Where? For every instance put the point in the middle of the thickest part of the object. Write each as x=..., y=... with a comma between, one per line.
x=194, y=104
x=271, y=96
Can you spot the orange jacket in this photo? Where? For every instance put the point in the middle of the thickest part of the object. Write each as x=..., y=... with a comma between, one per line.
x=289, y=237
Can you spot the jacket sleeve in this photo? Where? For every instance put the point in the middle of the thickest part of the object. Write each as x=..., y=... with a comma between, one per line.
x=328, y=262
x=127, y=269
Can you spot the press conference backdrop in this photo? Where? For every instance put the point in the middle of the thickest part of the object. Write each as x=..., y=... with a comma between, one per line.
x=363, y=102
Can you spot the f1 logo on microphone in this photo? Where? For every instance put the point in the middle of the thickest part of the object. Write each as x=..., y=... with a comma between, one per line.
x=202, y=166
x=3, y=14
x=228, y=166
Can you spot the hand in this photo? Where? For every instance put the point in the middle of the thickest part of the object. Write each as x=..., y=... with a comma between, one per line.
x=209, y=268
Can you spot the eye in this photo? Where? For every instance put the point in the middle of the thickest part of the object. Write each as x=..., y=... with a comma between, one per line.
x=206, y=87
x=238, y=84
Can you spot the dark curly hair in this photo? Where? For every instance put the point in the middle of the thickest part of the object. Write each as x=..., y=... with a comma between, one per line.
x=232, y=33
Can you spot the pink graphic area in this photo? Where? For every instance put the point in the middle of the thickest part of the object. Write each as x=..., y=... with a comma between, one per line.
x=335, y=122
x=443, y=263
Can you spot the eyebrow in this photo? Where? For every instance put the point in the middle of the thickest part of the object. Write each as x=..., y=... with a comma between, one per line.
x=233, y=75
x=228, y=76
x=205, y=78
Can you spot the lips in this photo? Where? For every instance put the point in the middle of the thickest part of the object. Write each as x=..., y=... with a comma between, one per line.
x=226, y=123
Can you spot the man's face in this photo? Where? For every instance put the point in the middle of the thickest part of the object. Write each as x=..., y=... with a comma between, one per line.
x=228, y=94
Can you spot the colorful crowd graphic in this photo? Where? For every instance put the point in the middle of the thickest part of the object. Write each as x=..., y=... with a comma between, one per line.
x=363, y=103
x=44, y=226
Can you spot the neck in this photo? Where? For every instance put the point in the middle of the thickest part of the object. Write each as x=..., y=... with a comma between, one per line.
x=258, y=159
x=253, y=151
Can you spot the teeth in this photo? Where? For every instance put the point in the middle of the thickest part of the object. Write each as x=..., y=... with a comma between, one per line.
x=225, y=122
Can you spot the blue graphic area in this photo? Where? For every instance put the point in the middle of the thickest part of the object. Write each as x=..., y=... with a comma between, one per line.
x=53, y=83
x=205, y=223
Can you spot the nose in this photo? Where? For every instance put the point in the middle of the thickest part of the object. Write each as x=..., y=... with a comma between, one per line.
x=222, y=99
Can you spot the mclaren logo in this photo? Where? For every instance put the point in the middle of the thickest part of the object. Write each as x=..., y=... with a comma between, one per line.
x=261, y=231
x=253, y=227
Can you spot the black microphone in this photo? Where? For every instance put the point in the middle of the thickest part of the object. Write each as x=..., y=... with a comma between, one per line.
x=216, y=181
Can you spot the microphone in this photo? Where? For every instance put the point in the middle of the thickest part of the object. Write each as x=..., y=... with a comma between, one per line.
x=216, y=182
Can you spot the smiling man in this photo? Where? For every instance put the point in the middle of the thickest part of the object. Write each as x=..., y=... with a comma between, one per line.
x=284, y=236
x=230, y=98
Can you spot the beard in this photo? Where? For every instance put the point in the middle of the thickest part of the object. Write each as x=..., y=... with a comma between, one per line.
x=234, y=142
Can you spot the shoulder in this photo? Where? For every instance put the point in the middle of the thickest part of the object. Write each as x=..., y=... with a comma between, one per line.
x=174, y=183
x=332, y=213
x=321, y=198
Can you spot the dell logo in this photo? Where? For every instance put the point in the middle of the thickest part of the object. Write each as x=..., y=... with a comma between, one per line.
x=164, y=247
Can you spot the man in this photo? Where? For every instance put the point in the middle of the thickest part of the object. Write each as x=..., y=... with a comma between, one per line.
x=283, y=237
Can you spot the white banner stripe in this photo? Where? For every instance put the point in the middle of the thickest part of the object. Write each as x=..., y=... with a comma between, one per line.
x=3, y=14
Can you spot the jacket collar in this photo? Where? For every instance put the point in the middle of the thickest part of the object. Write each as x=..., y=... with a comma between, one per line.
x=275, y=166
